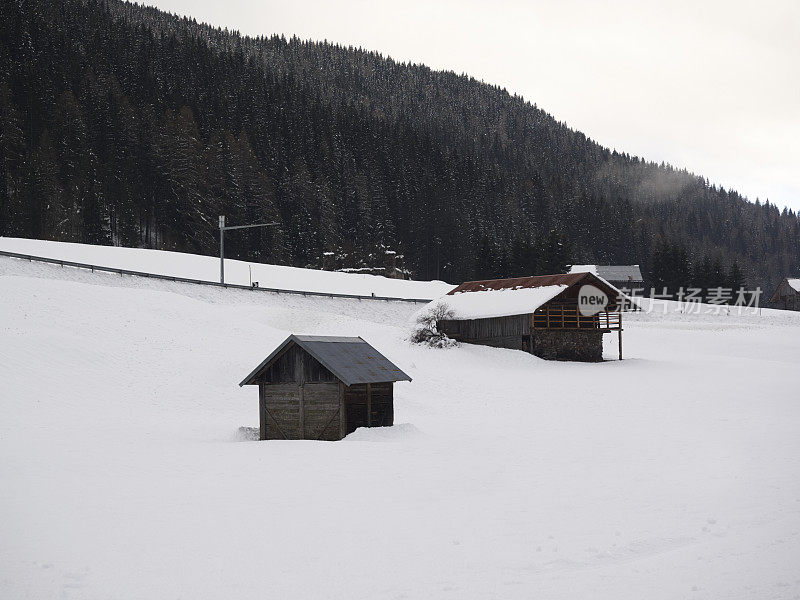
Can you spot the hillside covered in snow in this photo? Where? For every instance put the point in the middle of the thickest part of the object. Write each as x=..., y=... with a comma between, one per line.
x=206, y=268
x=124, y=473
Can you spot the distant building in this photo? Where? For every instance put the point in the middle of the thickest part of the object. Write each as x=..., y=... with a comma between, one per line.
x=623, y=277
x=392, y=265
x=787, y=296
x=540, y=315
x=323, y=388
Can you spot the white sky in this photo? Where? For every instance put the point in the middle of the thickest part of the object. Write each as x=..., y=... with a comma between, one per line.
x=711, y=86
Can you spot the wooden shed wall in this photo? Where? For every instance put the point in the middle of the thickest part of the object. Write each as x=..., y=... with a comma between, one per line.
x=290, y=411
x=296, y=365
x=787, y=297
x=500, y=332
x=368, y=405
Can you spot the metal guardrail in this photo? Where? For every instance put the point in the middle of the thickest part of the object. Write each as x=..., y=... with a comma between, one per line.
x=67, y=263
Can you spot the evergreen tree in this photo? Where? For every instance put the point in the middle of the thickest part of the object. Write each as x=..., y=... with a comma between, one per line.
x=122, y=124
x=736, y=279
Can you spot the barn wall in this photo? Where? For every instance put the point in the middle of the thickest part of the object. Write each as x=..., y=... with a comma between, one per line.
x=515, y=332
x=282, y=416
x=580, y=345
x=788, y=298
x=499, y=332
x=378, y=397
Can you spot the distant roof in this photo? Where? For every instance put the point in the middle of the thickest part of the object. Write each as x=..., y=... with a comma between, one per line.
x=794, y=284
x=516, y=296
x=516, y=283
x=611, y=272
x=350, y=359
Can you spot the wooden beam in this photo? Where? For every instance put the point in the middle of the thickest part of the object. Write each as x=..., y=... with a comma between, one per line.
x=262, y=411
x=342, y=413
x=369, y=405
x=328, y=424
x=302, y=425
x=620, y=336
x=390, y=414
x=278, y=427
x=300, y=375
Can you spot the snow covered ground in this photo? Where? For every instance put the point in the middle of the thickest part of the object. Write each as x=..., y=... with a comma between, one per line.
x=193, y=266
x=672, y=474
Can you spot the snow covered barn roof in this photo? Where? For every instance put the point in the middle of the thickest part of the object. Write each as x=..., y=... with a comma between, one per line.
x=517, y=296
x=502, y=302
x=350, y=359
x=611, y=272
x=794, y=284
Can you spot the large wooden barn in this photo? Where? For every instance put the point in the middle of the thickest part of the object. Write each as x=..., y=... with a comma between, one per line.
x=787, y=296
x=540, y=315
x=323, y=388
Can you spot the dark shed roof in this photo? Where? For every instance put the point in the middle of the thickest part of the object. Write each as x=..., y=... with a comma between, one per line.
x=620, y=273
x=350, y=359
x=568, y=279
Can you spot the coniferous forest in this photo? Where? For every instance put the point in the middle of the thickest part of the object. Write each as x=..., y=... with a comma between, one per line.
x=125, y=125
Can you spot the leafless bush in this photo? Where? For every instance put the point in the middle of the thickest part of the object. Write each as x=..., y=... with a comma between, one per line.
x=425, y=331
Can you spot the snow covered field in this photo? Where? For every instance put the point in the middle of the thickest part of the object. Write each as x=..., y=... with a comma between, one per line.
x=672, y=474
x=193, y=266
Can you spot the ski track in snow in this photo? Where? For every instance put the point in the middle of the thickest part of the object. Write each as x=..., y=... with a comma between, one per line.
x=124, y=474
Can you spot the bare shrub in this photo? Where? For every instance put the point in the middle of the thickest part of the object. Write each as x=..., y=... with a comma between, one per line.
x=425, y=331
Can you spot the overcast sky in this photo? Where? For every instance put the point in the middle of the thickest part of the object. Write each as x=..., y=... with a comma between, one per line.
x=710, y=86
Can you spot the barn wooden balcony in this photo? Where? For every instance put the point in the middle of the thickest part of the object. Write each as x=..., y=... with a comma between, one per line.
x=567, y=316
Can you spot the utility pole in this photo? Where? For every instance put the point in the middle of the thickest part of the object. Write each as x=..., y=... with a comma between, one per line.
x=222, y=248
x=438, y=241
x=222, y=230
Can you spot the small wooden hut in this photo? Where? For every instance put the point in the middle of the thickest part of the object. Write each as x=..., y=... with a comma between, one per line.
x=787, y=296
x=323, y=388
x=540, y=315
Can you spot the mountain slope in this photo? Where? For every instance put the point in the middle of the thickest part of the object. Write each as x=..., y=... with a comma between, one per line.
x=126, y=125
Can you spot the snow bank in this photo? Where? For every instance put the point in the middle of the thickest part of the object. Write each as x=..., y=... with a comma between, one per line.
x=206, y=268
x=400, y=432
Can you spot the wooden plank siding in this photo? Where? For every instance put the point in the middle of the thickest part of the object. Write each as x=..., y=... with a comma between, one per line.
x=321, y=409
x=282, y=403
x=368, y=405
x=501, y=332
x=300, y=399
x=786, y=297
x=295, y=365
x=294, y=412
